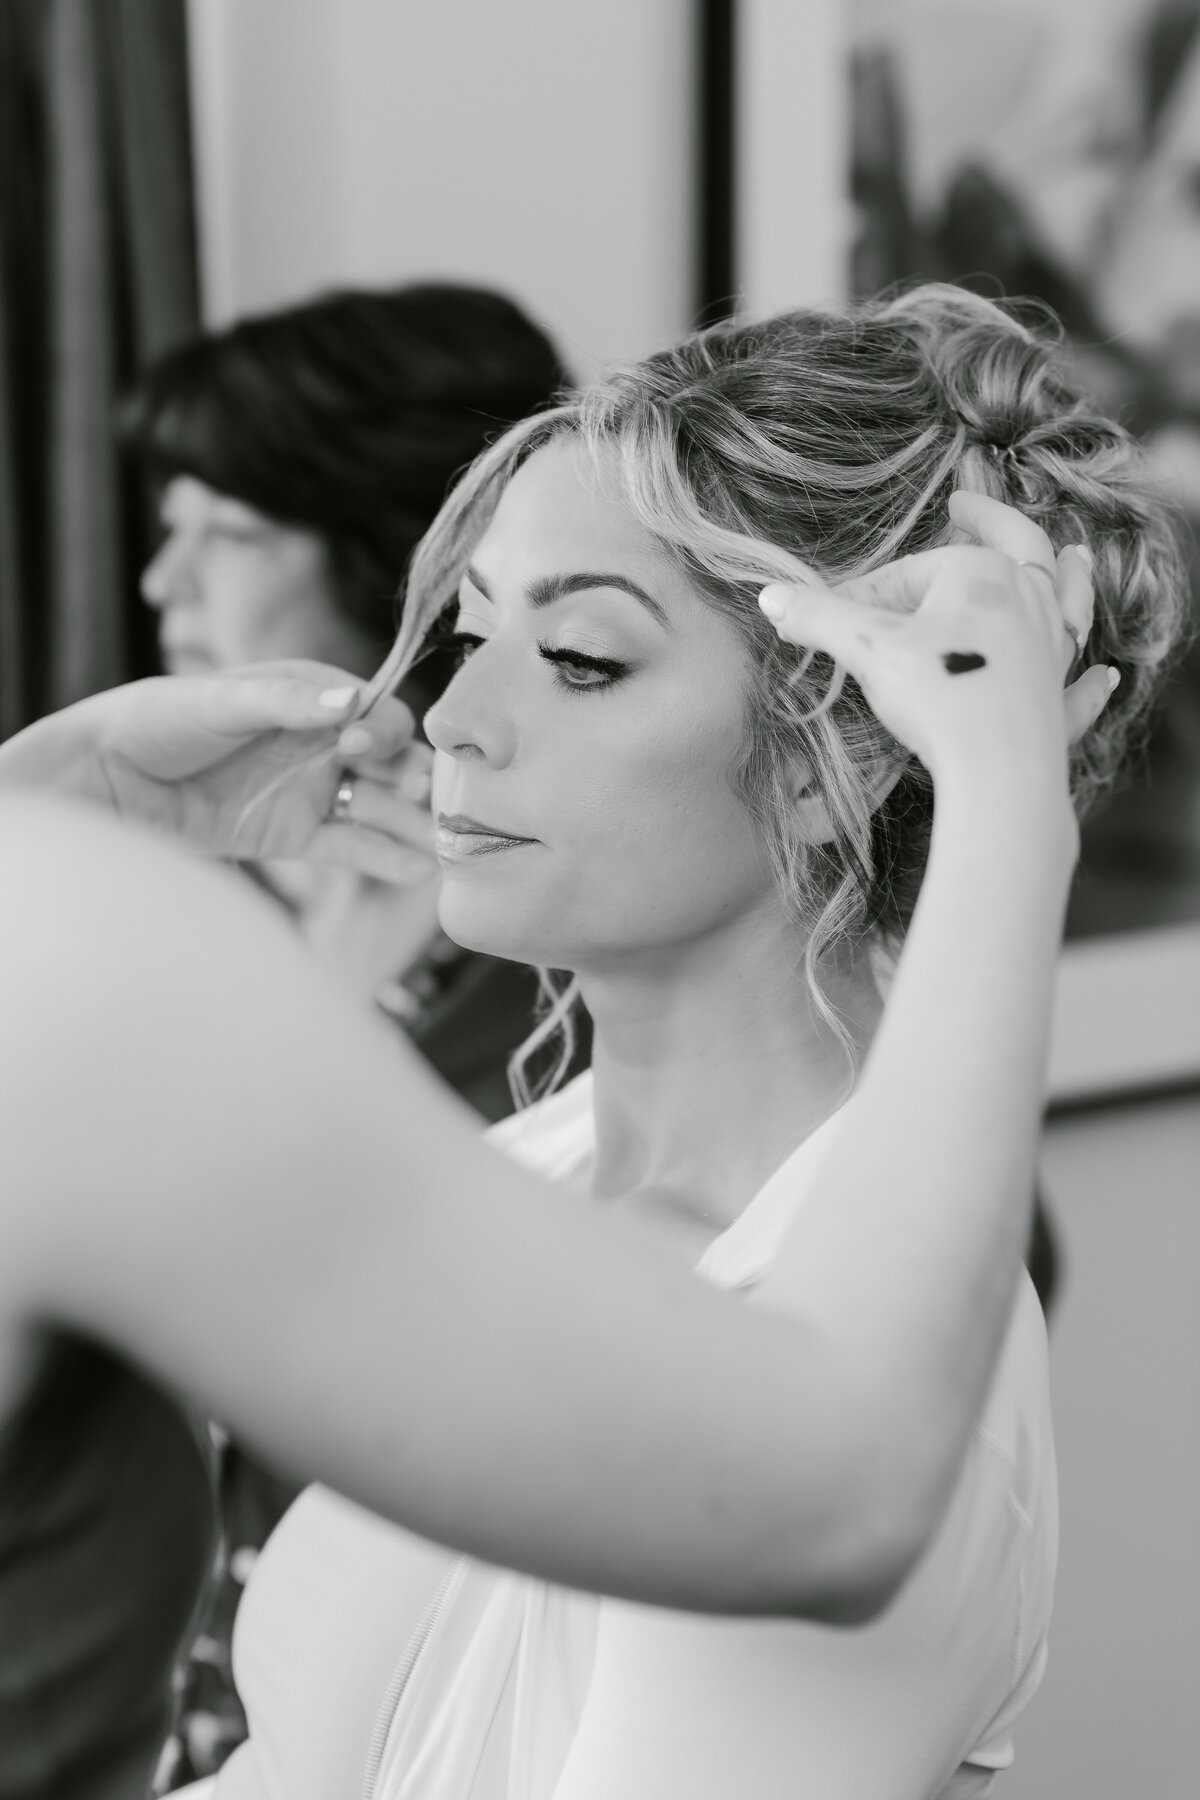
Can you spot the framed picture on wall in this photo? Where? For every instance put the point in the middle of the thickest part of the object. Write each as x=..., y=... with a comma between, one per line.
x=1033, y=152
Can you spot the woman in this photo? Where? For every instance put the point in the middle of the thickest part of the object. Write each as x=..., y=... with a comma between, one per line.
x=640, y=780
x=301, y=456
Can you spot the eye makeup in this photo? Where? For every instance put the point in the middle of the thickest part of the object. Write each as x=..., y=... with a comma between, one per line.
x=575, y=671
x=459, y=643
x=599, y=672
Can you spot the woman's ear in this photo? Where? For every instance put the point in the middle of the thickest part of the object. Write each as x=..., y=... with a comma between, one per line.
x=811, y=810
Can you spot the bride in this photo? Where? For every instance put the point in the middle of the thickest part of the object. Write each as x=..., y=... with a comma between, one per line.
x=713, y=803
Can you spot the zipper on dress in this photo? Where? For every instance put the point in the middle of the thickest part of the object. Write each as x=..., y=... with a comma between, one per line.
x=402, y=1674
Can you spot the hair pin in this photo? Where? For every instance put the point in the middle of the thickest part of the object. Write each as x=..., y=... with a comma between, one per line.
x=999, y=452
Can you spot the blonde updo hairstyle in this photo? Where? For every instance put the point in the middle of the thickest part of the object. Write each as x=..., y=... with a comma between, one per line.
x=755, y=452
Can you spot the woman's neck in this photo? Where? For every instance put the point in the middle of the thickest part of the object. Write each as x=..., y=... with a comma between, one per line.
x=711, y=1064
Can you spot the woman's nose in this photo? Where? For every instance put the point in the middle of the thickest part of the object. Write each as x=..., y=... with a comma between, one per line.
x=167, y=578
x=473, y=720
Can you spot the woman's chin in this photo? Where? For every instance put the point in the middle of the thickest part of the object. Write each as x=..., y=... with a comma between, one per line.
x=477, y=924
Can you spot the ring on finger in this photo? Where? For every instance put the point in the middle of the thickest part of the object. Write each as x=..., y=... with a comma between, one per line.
x=1077, y=637
x=343, y=800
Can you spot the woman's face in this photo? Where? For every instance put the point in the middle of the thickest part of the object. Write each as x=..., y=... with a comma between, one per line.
x=584, y=750
x=233, y=586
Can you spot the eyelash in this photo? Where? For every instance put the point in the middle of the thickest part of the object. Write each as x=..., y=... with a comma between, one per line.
x=609, y=668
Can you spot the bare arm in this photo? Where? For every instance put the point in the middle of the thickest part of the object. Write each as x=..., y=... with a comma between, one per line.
x=935, y=1171
x=217, y=1165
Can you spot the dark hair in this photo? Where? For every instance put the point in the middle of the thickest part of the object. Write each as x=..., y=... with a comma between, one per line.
x=350, y=416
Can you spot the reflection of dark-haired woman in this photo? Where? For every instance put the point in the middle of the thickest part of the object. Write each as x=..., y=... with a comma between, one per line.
x=301, y=456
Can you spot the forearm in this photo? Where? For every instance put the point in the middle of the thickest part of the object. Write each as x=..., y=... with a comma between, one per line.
x=905, y=1257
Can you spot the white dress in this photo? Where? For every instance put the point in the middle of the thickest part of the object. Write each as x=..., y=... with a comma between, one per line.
x=374, y=1664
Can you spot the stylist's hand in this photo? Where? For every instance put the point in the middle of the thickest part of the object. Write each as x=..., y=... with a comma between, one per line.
x=247, y=764
x=962, y=652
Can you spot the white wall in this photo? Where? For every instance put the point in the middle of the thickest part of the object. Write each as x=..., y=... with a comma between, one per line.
x=794, y=215
x=1122, y=1185
x=544, y=146
x=540, y=145
x=1116, y=1717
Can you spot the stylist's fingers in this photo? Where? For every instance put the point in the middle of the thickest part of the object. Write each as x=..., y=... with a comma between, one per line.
x=372, y=853
x=900, y=587
x=1076, y=600
x=408, y=772
x=286, y=696
x=961, y=571
x=241, y=703
x=385, y=732
x=1087, y=698
x=815, y=618
x=1062, y=580
x=385, y=807
x=897, y=587
x=1062, y=584
x=1000, y=527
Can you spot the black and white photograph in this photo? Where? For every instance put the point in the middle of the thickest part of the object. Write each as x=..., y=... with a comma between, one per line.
x=599, y=899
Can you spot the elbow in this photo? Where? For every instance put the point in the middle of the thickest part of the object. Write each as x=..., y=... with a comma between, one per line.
x=872, y=1535
x=864, y=1588
x=862, y=1576
x=889, y=1480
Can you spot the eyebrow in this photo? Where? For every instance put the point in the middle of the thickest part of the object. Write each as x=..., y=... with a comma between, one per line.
x=549, y=588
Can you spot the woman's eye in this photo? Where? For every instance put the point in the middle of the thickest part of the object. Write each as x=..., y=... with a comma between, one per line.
x=580, y=672
x=461, y=644
x=577, y=671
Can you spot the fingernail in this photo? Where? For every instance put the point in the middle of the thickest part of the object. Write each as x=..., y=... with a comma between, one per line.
x=1114, y=679
x=771, y=602
x=356, y=740
x=337, y=699
x=1082, y=551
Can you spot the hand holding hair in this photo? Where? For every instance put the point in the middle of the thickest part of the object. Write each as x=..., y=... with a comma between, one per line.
x=245, y=765
x=911, y=632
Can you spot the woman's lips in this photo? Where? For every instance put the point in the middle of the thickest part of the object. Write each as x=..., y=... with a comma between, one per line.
x=459, y=836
